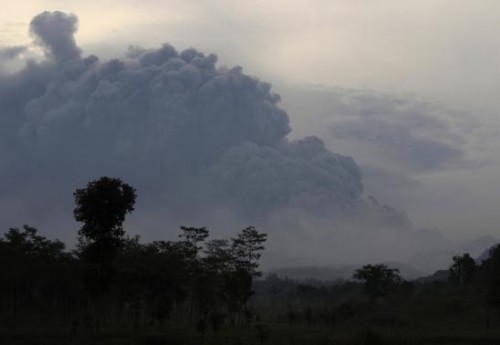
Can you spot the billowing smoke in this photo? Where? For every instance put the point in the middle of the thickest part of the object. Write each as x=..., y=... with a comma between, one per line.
x=295, y=172
x=54, y=33
x=10, y=53
x=400, y=142
x=190, y=136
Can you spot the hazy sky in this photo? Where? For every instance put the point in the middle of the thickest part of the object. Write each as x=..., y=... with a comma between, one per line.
x=439, y=58
x=445, y=49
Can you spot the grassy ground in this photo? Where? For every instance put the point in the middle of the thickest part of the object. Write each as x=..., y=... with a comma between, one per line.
x=278, y=334
x=429, y=317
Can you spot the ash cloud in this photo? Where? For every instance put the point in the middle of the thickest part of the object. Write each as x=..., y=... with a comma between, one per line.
x=411, y=132
x=54, y=32
x=293, y=173
x=193, y=138
x=158, y=116
x=408, y=134
x=400, y=142
x=11, y=53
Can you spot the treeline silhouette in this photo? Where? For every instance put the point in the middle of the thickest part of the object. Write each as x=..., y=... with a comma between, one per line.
x=113, y=288
x=111, y=278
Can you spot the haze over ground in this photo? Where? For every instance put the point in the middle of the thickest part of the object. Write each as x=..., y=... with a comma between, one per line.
x=407, y=90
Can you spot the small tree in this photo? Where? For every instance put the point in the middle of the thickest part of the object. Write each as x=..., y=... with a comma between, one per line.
x=192, y=240
x=245, y=252
x=491, y=277
x=247, y=248
x=29, y=243
x=102, y=207
x=35, y=272
x=378, y=280
x=462, y=269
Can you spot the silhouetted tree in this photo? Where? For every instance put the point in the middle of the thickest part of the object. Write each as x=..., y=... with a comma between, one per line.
x=143, y=282
x=245, y=252
x=247, y=248
x=152, y=275
x=218, y=256
x=462, y=270
x=29, y=243
x=37, y=272
x=378, y=280
x=211, y=290
x=490, y=272
x=102, y=207
x=193, y=237
x=191, y=245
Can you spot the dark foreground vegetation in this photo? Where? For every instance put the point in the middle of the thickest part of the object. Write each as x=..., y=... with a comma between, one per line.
x=114, y=289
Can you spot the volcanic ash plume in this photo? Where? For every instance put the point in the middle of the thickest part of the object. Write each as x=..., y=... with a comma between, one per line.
x=187, y=134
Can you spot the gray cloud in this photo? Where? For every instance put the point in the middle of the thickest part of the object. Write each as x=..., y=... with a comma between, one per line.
x=296, y=172
x=192, y=137
x=54, y=32
x=409, y=134
x=392, y=187
x=401, y=133
x=453, y=190
x=157, y=118
x=398, y=140
x=409, y=131
x=10, y=53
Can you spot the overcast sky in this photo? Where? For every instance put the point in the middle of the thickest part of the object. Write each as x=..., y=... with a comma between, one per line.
x=447, y=49
x=439, y=58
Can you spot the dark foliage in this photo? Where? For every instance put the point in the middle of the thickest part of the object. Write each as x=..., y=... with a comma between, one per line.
x=117, y=289
x=115, y=279
x=462, y=270
x=378, y=280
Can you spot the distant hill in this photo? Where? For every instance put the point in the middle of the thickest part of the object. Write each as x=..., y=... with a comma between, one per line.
x=435, y=260
x=478, y=247
x=424, y=267
x=438, y=276
x=335, y=273
x=475, y=248
x=485, y=254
